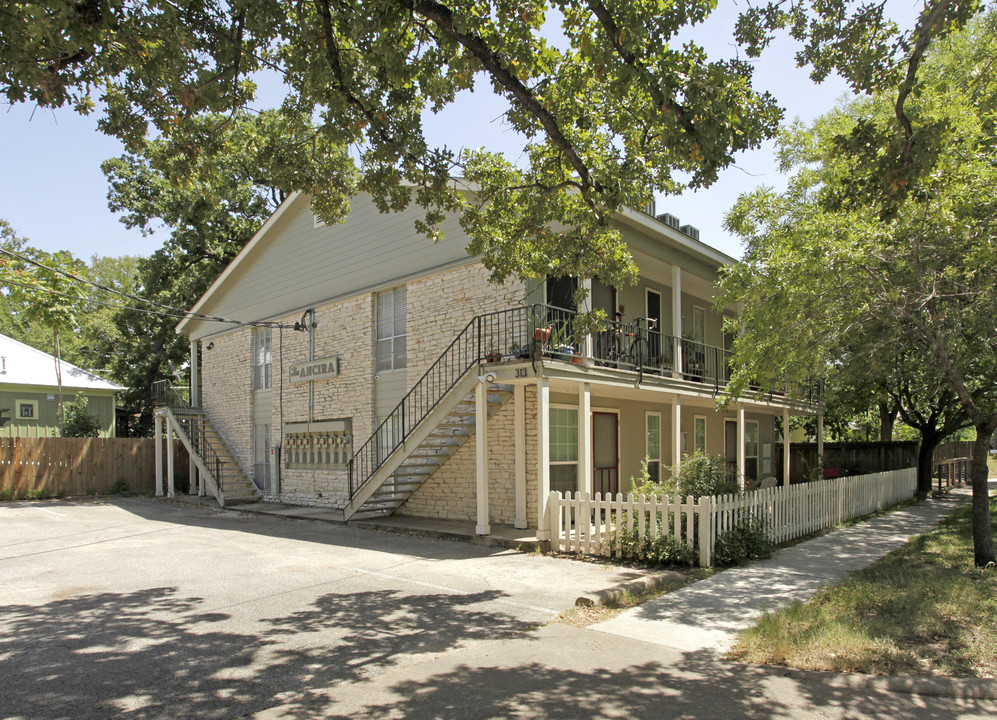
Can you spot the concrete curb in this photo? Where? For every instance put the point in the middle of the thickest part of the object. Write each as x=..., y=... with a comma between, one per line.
x=961, y=688
x=646, y=584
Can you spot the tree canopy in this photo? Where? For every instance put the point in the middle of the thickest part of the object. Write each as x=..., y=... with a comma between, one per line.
x=897, y=251
x=610, y=106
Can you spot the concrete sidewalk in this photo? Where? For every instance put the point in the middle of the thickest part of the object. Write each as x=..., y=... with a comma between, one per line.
x=708, y=615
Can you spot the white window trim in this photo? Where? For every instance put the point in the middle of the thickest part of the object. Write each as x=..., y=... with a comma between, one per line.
x=647, y=432
x=561, y=406
x=647, y=305
x=393, y=338
x=32, y=403
x=268, y=363
x=747, y=424
x=693, y=328
x=705, y=432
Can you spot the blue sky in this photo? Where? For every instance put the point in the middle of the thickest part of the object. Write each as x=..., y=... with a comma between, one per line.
x=53, y=192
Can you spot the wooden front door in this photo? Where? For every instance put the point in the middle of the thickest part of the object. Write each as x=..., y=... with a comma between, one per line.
x=605, y=453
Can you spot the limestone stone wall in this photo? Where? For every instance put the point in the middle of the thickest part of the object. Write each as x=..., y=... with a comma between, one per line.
x=451, y=492
x=438, y=308
x=227, y=389
x=344, y=329
x=440, y=305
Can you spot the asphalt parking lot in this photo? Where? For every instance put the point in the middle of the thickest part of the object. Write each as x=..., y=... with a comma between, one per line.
x=141, y=608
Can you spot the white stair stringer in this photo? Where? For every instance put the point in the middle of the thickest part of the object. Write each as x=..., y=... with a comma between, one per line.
x=236, y=485
x=427, y=448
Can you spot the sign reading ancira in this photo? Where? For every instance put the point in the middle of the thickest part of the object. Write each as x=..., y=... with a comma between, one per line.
x=323, y=369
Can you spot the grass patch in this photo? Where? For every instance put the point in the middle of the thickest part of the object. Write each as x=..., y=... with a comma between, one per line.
x=924, y=609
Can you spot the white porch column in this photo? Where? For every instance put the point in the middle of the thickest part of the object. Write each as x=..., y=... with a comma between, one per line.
x=195, y=401
x=677, y=319
x=481, y=448
x=170, y=486
x=195, y=376
x=677, y=433
x=585, y=438
x=519, y=401
x=543, y=456
x=785, y=447
x=741, y=456
x=820, y=439
x=156, y=421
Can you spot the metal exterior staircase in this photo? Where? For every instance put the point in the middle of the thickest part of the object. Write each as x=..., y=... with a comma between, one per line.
x=224, y=476
x=434, y=419
x=430, y=451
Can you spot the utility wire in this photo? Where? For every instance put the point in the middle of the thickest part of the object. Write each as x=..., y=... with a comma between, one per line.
x=173, y=311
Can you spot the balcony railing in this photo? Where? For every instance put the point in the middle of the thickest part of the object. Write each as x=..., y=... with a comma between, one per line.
x=636, y=346
x=640, y=347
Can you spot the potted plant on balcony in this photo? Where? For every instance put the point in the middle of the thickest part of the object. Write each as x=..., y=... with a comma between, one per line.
x=493, y=355
x=560, y=343
x=519, y=350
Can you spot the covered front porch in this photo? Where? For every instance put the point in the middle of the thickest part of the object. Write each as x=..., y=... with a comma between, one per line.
x=591, y=426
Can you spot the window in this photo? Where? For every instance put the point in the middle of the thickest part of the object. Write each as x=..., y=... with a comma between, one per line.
x=699, y=434
x=563, y=449
x=262, y=359
x=390, y=317
x=751, y=449
x=27, y=409
x=653, y=445
x=698, y=324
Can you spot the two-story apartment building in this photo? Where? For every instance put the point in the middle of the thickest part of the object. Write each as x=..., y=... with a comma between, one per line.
x=378, y=372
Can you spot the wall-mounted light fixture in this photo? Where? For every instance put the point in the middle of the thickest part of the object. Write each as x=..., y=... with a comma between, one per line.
x=210, y=345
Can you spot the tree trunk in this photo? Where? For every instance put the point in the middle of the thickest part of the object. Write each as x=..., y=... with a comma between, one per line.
x=983, y=542
x=925, y=464
x=887, y=417
x=58, y=377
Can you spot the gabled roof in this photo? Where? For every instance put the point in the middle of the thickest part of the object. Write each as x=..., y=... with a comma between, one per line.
x=22, y=364
x=293, y=262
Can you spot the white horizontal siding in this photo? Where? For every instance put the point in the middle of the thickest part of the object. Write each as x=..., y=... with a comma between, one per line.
x=297, y=265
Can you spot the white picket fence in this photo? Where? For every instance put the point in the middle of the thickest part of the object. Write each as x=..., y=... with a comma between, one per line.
x=595, y=525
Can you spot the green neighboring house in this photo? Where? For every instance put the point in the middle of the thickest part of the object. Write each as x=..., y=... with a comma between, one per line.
x=29, y=392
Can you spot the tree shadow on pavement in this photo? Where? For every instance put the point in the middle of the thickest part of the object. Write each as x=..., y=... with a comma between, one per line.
x=696, y=687
x=157, y=654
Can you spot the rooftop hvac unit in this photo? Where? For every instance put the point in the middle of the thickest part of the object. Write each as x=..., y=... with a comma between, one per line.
x=691, y=231
x=649, y=208
x=669, y=220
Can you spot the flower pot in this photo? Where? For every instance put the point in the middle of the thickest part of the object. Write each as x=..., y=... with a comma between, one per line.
x=521, y=353
x=541, y=335
x=493, y=357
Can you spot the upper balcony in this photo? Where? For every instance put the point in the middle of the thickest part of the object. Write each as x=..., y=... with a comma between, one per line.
x=547, y=333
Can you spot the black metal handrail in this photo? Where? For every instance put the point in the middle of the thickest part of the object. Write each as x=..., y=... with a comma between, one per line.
x=489, y=337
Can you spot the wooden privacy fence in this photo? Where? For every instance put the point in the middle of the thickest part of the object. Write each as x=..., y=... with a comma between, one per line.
x=78, y=466
x=596, y=525
x=952, y=462
x=843, y=459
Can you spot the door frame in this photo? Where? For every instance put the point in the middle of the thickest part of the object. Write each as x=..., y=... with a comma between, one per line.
x=616, y=413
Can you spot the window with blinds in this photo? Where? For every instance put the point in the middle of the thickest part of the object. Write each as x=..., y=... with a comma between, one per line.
x=262, y=359
x=390, y=352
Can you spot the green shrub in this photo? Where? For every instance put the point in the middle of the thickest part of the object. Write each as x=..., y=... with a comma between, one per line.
x=91, y=491
x=40, y=494
x=643, y=485
x=6, y=494
x=119, y=487
x=79, y=422
x=700, y=474
x=746, y=540
x=660, y=550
